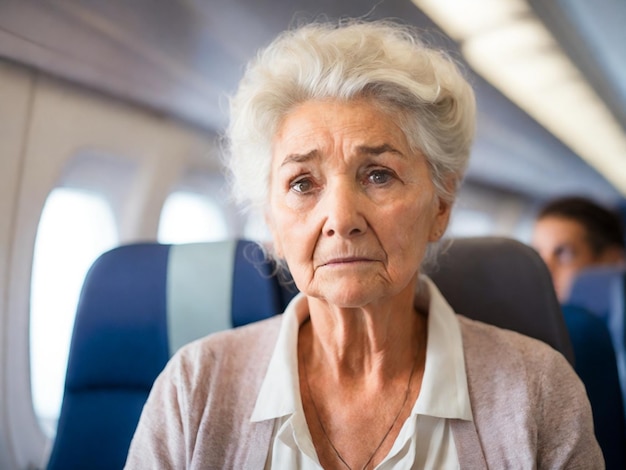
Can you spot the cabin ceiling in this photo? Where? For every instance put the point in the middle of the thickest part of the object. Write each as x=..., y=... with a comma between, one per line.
x=183, y=58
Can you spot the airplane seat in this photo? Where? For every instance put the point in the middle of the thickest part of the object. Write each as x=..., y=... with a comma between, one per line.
x=602, y=291
x=138, y=305
x=509, y=287
x=597, y=367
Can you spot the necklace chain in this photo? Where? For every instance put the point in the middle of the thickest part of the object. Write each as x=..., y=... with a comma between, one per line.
x=319, y=419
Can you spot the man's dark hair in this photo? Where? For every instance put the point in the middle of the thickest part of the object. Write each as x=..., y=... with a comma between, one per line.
x=604, y=228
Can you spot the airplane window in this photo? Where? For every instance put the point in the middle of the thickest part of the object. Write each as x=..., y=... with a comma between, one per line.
x=189, y=217
x=75, y=227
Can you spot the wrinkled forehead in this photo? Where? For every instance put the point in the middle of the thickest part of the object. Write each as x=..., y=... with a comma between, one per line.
x=356, y=126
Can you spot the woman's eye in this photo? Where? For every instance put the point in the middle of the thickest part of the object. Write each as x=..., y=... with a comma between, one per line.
x=379, y=176
x=302, y=185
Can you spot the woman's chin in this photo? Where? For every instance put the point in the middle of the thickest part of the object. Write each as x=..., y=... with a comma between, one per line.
x=341, y=295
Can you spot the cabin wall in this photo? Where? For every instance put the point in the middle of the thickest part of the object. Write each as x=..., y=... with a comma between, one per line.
x=16, y=97
x=45, y=125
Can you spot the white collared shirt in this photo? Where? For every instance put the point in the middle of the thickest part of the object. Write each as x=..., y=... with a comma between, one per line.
x=425, y=440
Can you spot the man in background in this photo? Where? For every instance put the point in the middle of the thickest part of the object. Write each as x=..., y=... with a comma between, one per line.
x=574, y=233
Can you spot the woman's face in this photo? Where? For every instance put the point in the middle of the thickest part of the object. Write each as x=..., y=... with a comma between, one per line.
x=563, y=245
x=352, y=209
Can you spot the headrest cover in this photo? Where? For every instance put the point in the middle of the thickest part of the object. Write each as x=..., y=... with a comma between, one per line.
x=199, y=290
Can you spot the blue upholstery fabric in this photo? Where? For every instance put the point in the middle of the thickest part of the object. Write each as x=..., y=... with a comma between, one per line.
x=602, y=291
x=96, y=428
x=121, y=339
x=119, y=346
x=597, y=368
x=259, y=294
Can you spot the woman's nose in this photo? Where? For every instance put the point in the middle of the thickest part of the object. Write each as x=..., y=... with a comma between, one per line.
x=344, y=210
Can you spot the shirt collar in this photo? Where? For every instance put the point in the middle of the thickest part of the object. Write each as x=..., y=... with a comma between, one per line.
x=280, y=391
x=444, y=391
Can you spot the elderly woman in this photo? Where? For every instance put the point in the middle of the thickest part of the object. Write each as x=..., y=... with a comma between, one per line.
x=352, y=140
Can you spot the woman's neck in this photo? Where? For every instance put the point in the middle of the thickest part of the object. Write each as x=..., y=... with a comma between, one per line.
x=365, y=342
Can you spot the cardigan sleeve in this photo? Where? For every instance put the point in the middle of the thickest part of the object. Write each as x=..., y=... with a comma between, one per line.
x=198, y=413
x=160, y=438
x=530, y=408
x=566, y=436
x=167, y=433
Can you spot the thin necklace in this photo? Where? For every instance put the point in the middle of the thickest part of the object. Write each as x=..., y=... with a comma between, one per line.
x=319, y=420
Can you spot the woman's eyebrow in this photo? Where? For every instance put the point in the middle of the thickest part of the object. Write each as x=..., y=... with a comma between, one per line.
x=299, y=157
x=360, y=150
x=378, y=150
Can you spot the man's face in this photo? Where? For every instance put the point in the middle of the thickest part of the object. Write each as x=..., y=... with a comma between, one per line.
x=564, y=246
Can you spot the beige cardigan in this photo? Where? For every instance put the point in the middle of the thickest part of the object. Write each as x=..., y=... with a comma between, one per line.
x=530, y=409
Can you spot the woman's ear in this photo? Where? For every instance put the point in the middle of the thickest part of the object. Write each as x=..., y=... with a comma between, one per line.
x=442, y=217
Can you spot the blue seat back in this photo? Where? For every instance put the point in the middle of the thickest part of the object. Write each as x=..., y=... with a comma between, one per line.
x=602, y=291
x=597, y=367
x=138, y=305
